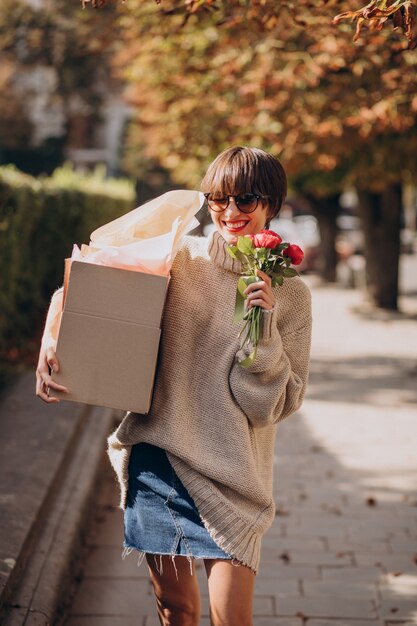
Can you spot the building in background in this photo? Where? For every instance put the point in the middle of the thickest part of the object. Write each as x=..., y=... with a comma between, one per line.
x=59, y=98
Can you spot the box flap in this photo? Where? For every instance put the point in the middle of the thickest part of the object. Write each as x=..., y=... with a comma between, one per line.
x=115, y=293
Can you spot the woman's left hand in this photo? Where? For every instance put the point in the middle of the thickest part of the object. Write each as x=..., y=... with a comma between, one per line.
x=260, y=293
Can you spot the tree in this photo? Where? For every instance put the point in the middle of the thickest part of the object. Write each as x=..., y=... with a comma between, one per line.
x=375, y=15
x=332, y=110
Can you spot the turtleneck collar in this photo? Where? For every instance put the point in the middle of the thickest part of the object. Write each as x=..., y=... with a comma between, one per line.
x=216, y=248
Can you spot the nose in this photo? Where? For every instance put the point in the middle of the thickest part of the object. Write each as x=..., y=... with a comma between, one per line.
x=232, y=209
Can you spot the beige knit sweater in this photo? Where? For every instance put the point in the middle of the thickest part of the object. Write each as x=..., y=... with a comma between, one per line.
x=216, y=420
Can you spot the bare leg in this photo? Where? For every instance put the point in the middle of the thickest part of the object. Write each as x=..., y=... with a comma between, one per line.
x=231, y=593
x=176, y=590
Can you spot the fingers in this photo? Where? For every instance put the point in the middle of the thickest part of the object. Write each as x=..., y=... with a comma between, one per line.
x=260, y=294
x=267, y=279
x=52, y=359
x=42, y=391
x=44, y=383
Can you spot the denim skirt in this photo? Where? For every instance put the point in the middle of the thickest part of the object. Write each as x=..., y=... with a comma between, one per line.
x=160, y=516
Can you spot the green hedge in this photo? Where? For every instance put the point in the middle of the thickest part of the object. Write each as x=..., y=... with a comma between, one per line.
x=40, y=220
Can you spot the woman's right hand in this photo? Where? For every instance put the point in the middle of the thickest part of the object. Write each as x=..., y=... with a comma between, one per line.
x=47, y=361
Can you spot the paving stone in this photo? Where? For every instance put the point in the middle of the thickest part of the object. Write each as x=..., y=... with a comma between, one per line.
x=111, y=597
x=398, y=586
x=343, y=622
x=276, y=530
x=406, y=592
x=107, y=529
x=109, y=493
x=276, y=621
x=278, y=587
x=102, y=620
x=388, y=561
x=368, y=534
x=279, y=571
x=331, y=587
x=293, y=543
x=402, y=545
x=315, y=530
x=335, y=544
x=328, y=512
x=298, y=557
x=323, y=493
x=323, y=606
x=107, y=562
x=351, y=574
x=388, y=517
x=398, y=609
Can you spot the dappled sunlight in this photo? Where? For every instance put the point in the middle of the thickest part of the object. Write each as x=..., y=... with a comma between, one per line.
x=367, y=439
x=406, y=585
x=381, y=380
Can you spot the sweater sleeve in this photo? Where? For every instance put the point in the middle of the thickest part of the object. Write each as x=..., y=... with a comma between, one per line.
x=273, y=387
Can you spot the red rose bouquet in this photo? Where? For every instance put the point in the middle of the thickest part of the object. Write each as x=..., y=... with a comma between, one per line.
x=267, y=252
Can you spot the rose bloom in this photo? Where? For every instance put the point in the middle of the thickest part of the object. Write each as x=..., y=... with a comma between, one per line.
x=295, y=253
x=266, y=239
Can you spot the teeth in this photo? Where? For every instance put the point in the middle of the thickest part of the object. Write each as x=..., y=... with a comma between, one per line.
x=235, y=224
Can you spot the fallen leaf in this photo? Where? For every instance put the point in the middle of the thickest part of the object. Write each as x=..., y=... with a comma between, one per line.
x=281, y=512
x=285, y=557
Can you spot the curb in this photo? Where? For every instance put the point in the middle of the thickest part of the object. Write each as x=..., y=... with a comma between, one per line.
x=46, y=572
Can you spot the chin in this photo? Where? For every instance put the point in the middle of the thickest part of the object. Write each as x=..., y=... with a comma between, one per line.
x=229, y=237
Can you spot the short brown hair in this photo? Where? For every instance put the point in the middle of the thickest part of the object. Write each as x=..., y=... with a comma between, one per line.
x=241, y=169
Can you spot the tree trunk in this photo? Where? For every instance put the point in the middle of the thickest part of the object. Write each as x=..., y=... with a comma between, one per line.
x=381, y=219
x=326, y=211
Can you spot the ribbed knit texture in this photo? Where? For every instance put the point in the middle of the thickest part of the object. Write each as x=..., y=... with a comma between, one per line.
x=216, y=420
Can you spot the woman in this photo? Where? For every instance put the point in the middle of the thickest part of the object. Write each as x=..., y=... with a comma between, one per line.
x=196, y=471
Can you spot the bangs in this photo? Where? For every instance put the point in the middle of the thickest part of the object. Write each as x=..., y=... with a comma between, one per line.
x=231, y=175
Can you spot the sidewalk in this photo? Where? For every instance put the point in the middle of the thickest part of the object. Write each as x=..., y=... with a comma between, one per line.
x=343, y=548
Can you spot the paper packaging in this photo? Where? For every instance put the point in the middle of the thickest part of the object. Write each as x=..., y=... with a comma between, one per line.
x=109, y=336
x=114, y=292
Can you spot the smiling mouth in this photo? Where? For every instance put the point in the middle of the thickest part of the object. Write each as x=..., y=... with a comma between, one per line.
x=236, y=225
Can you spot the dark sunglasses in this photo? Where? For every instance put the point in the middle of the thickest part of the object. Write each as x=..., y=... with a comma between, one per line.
x=245, y=202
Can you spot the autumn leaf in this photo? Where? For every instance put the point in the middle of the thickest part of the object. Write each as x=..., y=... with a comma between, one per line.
x=375, y=14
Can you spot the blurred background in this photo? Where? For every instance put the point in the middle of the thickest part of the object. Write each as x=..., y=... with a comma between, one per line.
x=101, y=110
x=107, y=106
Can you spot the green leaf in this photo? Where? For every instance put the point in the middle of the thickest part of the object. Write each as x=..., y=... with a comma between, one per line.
x=245, y=245
x=242, y=283
x=279, y=248
x=289, y=272
x=280, y=279
x=278, y=265
x=232, y=251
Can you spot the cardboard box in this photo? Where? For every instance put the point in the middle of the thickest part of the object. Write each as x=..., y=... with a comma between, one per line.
x=109, y=336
